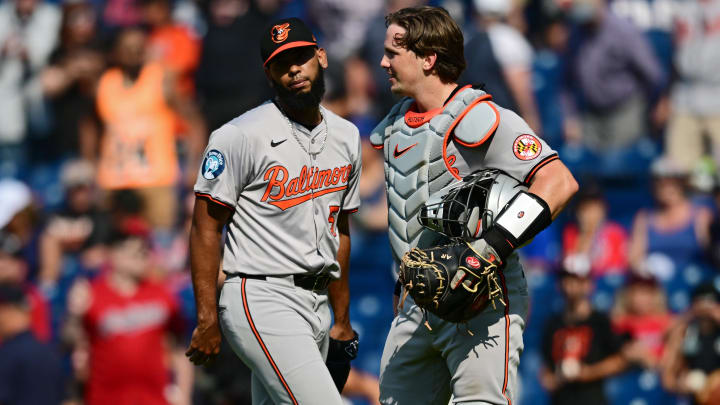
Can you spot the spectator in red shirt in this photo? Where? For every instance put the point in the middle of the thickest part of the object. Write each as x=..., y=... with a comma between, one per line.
x=642, y=316
x=123, y=319
x=593, y=240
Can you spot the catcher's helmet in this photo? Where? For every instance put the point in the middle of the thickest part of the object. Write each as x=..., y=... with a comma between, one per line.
x=465, y=209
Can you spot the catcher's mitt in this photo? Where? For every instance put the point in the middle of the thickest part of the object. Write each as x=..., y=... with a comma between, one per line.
x=454, y=282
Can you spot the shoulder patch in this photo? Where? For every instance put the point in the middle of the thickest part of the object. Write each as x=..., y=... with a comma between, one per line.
x=477, y=123
x=213, y=164
x=527, y=147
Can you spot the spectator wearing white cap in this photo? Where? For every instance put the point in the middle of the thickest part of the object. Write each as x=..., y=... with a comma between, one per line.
x=15, y=196
x=18, y=221
x=695, y=105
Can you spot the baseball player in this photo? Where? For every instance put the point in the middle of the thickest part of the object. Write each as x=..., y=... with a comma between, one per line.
x=437, y=135
x=283, y=177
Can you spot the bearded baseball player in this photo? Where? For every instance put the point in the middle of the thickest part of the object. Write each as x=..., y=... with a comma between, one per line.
x=283, y=177
x=462, y=292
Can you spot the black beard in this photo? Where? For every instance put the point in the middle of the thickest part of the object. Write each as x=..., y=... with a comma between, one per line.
x=302, y=101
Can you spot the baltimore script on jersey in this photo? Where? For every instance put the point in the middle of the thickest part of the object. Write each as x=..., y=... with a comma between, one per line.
x=311, y=182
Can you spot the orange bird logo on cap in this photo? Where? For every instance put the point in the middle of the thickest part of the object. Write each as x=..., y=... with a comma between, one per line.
x=280, y=32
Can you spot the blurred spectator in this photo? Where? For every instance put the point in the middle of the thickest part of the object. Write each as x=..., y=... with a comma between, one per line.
x=174, y=255
x=343, y=23
x=593, y=240
x=353, y=98
x=548, y=69
x=713, y=250
x=676, y=228
x=579, y=347
x=123, y=320
x=136, y=102
x=613, y=75
x=118, y=14
x=173, y=45
x=78, y=231
x=126, y=208
x=190, y=14
x=13, y=270
x=230, y=81
x=28, y=33
x=18, y=222
x=654, y=18
x=696, y=107
x=499, y=56
x=691, y=364
x=30, y=372
x=69, y=83
x=641, y=316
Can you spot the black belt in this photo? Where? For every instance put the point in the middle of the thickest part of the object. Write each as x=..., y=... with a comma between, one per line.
x=309, y=282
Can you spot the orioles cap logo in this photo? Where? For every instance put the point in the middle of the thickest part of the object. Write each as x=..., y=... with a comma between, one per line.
x=280, y=32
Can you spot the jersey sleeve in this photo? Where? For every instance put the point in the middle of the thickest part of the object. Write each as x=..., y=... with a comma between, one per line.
x=225, y=168
x=515, y=149
x=351, y=201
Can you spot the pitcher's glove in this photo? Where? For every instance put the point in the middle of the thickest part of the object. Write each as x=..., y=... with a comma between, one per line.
x=454, y=282
x=340, y=353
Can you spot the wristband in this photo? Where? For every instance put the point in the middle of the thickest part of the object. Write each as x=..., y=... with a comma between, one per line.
x=522, y=218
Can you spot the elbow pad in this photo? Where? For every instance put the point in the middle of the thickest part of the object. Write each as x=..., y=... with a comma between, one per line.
x=524, y=216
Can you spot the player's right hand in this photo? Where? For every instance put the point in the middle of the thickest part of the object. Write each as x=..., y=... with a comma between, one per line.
x=205, y=343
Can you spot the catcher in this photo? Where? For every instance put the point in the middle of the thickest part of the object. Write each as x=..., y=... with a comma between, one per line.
x=454, y=227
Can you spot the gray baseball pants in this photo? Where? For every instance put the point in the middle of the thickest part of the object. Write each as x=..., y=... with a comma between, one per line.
x=280, y=331
x=474, y=364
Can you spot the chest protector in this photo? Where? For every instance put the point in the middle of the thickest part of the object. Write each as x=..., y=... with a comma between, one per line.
x=417, y=163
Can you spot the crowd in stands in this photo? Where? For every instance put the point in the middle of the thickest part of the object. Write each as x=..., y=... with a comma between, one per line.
x=106, y=107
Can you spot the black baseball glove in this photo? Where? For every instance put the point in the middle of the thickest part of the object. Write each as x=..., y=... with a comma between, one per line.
x=454, y=282
x=340, y=353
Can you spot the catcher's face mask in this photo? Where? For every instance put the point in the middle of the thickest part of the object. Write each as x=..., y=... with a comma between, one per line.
x=464, y=210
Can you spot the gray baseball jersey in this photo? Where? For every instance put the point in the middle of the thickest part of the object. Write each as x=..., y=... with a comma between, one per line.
x=287, y=185
x=424, y=152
